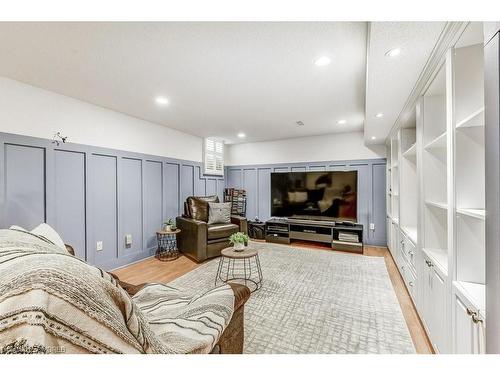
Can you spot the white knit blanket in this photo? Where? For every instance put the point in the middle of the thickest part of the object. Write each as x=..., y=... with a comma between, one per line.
x=52, y=302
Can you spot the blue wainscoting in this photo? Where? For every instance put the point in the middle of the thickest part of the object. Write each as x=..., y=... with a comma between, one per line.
x=91, y=194
x=256, y=180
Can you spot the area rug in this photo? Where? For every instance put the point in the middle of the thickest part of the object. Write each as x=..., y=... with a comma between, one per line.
x=316, y=301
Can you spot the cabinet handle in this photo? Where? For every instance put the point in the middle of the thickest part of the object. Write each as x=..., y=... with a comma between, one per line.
x=428, y=263
x=411, y=252
x=476, y=319
x=410, y=283
x=474, y=316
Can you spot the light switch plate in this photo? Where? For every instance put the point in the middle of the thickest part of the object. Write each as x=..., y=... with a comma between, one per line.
x=98, y=246
x=128, y=239
x=372, y=226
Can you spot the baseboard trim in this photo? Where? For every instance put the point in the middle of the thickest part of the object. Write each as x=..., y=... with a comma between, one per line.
x=129, y=264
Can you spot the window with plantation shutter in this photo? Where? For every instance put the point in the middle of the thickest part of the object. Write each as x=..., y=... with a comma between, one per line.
x=213, y=157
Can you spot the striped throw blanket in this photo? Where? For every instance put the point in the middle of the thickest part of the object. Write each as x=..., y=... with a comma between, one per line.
x=52, y=302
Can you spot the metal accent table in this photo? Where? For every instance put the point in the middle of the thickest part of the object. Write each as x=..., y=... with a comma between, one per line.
x=167, y=245
x=240, y=266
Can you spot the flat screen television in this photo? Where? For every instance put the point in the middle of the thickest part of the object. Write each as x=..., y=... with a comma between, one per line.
x=315, y=195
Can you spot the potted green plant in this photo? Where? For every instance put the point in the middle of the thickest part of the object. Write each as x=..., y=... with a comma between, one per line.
x=169, y=225
x=239, y=240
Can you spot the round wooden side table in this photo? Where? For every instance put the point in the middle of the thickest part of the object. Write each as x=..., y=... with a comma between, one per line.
x=167, y=245
x=240, y=266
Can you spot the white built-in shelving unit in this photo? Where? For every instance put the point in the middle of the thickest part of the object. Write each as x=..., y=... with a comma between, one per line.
x=436, y=199
x=403, y=198
x=433, y=258
x=408, y=179
x=393, y=200
x=468, y=279
x=435, y=173
x=395, y=180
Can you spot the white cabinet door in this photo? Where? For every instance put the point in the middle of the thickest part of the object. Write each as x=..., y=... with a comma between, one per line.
x=395, y=242
x=438, y=310
x=402, y=249
x=410, y=252
x=425, y=293
x=411, y=283
x=433, y=301
x=389, y=233
x=464, y=328
x=468, y=330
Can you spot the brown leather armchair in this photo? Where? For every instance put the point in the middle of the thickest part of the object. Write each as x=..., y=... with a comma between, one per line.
x=200, y=240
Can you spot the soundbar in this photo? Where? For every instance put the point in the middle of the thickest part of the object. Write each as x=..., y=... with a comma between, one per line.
x=311, y=222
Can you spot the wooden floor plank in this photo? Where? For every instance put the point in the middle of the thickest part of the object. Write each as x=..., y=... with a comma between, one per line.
x=153, y=270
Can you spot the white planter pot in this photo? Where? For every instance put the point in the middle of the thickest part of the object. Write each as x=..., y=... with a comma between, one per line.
x=168, y=228
x=239, y=247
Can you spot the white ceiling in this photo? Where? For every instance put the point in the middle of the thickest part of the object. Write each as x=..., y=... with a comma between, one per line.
x=220, y=78
x=390, y=80
x=223, y=78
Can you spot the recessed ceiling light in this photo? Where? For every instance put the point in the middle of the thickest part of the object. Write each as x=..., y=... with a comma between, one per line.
x=342, y=122
x=322, y=61
x=241, y=135
x=300, y=123
x=161, y=100
x=379, y=115
x=373, y=138
x=393, y=52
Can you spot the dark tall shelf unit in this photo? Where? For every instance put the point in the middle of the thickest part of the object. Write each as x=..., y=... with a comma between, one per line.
x=238, y=199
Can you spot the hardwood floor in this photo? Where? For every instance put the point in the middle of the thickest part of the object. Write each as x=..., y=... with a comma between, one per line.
x=417, y=330
x=152, y=270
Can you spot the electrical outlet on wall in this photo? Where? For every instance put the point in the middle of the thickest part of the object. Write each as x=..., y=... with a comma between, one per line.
x=98, y=246
x=128, y=239
x=372, y=226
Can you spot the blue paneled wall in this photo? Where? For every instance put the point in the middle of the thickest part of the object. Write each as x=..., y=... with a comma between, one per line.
x=91, y=194
x=256, y=180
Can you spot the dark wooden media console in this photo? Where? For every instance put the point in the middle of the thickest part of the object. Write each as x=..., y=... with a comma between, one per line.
x=340, y=235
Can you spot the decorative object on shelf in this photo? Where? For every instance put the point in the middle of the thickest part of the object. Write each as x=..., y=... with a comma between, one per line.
x=238, y=199
x=239, y=241
x=241, y=267
x=169, y=225
x=58, y=138
x=167, y=245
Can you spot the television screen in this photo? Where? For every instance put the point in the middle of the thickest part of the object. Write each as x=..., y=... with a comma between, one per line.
x=328, y=195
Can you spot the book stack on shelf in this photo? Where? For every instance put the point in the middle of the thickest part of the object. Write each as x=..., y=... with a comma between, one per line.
x=348, y=237
x=238, y=199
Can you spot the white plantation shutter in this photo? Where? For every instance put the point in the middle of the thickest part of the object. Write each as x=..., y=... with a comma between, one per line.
x=210, y=145
x=213, y=156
